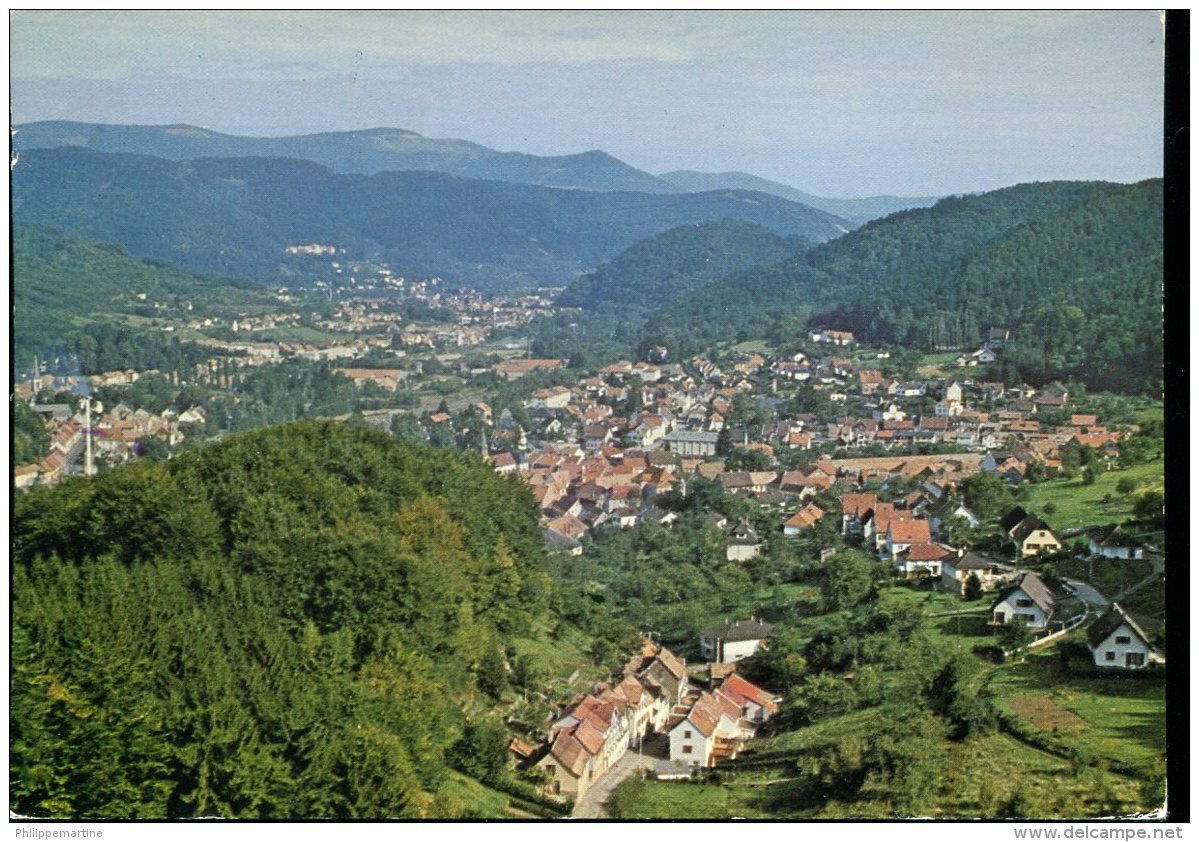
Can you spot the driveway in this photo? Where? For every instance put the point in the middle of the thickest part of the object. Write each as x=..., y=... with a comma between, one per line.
x=1094, y=600
x=654, y=755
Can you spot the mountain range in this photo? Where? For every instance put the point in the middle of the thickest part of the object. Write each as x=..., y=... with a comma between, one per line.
x=236, y=216
x=370, y=151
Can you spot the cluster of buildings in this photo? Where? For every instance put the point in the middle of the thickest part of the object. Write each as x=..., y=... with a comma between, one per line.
x=115, y=435
x=601, y=449
x=653, y=694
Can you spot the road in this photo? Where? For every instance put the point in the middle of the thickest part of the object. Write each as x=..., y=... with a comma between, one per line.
x=1094, y=600
x=654, y=756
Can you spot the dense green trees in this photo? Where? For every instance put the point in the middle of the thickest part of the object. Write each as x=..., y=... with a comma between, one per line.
x=235, y=216
x=1074, y=268
x=672, y=264
x=286, y=624
x=30, y=439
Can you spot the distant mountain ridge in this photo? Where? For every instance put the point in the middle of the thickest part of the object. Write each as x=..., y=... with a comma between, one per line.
x=235, y=217
x=855, y=210
x=375, y=150
x=367, y=152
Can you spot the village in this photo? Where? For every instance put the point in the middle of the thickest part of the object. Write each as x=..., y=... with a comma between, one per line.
x=831, y=443
x=604, y=453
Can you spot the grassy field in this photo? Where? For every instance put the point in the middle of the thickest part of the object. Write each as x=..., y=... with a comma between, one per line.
x=479, y=799
x=635, y=799
x=938, y=365
x=753, y=346
x=1111, y=575
x=1079, y=505
x=293, y=333
x=1116, y=718
x=984, y=776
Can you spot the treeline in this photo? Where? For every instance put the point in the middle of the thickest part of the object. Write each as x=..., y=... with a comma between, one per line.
x=108, y=346
x=30, y=438
x=287, y=624
x=235, y=216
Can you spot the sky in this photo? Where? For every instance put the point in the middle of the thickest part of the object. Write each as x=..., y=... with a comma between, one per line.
x=836, y=103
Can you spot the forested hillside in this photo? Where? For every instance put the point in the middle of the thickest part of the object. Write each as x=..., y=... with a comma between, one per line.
x=59, y=281
x=236, y=217
x=1073, y=269
x=367, y=151
x=289, y=623
x=659, y=269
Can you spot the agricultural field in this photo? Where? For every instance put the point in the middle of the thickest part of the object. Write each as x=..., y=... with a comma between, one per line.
x=1121, y=718
x=1076, y=505
x=937, y=365
x=294, y=333
x=1106, y=735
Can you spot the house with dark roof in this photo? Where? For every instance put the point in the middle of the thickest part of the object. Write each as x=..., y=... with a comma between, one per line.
x=1029, y=533
x=991, y=573
x=1121, y=641
x=950, y=507
x=734, y=640
x=1113, y=542
x=1030, y=601
x=742, y=542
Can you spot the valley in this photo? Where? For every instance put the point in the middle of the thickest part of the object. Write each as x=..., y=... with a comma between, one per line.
x=372, y=475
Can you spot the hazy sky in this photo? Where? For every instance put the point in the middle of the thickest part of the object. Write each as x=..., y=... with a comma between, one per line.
x=838, y=103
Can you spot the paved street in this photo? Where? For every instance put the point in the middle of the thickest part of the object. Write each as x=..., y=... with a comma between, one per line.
x=1094, y=600
x=654, y=756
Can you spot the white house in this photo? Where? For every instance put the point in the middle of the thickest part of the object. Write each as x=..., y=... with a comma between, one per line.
x=743, y=542
x=734, y=640
x=951, y=507
x=1117, y=640
x=1114, y=542
x=710, y=731
x=1029, y=601
x=923, y=560
x=756, y=704
x=693, y=740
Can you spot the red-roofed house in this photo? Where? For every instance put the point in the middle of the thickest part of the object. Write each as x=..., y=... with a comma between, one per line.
x=756, y=704
x=902, y=533
x=804, y=519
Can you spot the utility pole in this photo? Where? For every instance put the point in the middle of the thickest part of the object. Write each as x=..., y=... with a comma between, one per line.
x=88, y=467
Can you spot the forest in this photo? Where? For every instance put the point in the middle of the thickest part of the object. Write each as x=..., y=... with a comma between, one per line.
x=674, y=263
x=61, y=283
x=235, y=216
x=1074, y=269
x=298, y=621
